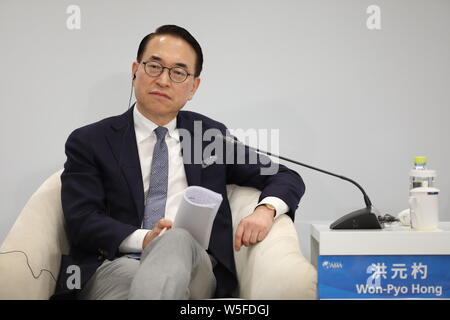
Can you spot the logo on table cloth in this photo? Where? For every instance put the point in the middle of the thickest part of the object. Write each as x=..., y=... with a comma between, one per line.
x=332, y=265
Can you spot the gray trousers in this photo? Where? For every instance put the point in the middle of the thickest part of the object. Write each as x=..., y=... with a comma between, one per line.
x=172, y=266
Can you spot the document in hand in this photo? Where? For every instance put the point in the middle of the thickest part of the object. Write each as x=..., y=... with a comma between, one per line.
x=197, y=211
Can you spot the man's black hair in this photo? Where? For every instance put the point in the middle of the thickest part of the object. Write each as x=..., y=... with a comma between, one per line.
x=177, y=32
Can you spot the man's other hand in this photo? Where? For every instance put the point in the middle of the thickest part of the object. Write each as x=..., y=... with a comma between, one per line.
x=254, y=228
x=159, y=227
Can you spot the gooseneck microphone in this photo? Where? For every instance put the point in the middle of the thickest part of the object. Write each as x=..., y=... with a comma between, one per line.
x=363, y=218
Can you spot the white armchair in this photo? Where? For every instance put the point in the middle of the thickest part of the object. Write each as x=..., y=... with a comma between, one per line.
x=273, y=269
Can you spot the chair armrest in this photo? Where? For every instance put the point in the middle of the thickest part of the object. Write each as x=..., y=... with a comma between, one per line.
x=39, y=233
x=274, y=268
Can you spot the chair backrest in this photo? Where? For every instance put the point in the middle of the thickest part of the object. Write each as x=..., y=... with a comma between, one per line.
x=36, y=240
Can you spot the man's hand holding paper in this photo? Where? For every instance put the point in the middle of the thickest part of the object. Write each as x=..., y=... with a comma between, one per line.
x=197, y=211
x=160, y=227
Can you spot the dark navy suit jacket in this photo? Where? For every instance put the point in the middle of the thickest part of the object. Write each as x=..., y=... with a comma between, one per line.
x=103, y=196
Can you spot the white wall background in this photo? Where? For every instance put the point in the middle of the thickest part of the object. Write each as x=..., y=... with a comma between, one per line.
x=347, y=99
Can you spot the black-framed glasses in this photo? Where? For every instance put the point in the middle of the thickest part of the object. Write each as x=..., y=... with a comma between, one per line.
x=155, y=69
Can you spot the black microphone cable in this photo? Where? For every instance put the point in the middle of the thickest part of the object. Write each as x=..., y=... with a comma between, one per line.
x=29, y=266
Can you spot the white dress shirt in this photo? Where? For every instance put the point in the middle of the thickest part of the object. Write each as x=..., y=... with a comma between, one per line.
x=177, y=183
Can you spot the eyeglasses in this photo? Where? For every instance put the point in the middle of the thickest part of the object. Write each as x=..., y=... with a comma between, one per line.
x=155, y=69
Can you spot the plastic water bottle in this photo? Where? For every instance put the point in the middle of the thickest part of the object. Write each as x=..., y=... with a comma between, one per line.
x=420, y=176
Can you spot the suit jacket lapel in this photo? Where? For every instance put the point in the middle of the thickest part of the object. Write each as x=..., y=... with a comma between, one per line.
x=122, y=140
x=192, y=162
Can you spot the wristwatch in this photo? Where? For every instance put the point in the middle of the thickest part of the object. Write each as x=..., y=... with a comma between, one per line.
x=271, y=207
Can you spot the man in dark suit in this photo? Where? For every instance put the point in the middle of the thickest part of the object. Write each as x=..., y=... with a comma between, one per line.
x=110, y=180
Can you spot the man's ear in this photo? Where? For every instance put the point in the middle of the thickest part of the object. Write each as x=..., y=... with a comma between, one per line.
x=134, y=69
x=194, y=87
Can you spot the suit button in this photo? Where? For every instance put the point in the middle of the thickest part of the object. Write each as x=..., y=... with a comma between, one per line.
x=103, y=252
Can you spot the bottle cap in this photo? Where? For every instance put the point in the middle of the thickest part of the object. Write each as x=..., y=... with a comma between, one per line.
x=420, y=160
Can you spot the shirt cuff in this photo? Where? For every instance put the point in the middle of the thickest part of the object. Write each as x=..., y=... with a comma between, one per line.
x=133, y=243
x=280, y=206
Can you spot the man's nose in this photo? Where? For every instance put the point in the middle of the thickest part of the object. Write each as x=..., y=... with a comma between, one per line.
x=164, y=78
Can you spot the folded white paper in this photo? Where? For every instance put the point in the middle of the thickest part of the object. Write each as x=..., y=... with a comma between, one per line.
x=197, y=212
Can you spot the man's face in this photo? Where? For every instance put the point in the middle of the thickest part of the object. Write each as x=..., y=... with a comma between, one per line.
x=159, y=98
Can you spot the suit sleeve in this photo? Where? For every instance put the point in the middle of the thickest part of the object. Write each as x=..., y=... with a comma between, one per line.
x=88, y=222
x=273, y=179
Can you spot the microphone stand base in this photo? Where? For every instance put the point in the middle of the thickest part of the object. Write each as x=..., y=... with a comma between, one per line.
x=359, y=219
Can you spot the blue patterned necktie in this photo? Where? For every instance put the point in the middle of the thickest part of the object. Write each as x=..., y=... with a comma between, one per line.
x=157, y=194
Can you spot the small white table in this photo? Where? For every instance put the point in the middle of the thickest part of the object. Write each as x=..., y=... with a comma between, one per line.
x=394, y=262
